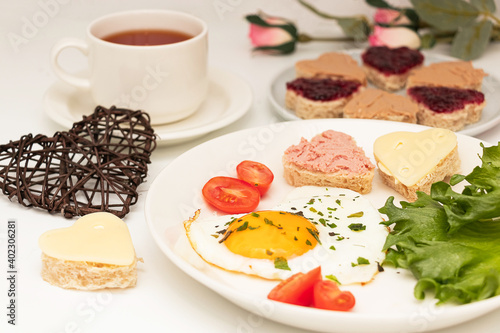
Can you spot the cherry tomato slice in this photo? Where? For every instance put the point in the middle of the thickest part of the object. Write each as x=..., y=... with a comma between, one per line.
x=297, y=289
x=231, y=195
x=328, y=296
x=256, y=174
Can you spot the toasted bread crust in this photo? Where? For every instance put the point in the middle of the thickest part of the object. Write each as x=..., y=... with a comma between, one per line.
x=447, y=167
x=87, y=275
x=453, y=121
x=308, y=109
x=389, y=83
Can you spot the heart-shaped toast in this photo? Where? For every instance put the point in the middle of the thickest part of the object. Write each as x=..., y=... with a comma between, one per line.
x=98, y=238
x=95, y=166
x=331, y=65
x=411, y=162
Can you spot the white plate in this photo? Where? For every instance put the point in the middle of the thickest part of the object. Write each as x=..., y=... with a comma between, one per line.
x=491, y=89
x=385, y=305
x=229, y=98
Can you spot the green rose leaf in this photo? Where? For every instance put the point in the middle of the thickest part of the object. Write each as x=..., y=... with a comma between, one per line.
x=412, y=15
x=484, y=5
x=356, y=28
x=285, y=48
x=446, y=14
x=379, y=4
x=427, y=41
x=471, y=41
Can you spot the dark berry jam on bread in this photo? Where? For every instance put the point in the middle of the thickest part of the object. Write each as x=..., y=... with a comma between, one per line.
x=392, y=61
x=323, y=89
x=444, y=99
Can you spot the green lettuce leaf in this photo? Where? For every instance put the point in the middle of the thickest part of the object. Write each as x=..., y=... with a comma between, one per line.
x=450, y=241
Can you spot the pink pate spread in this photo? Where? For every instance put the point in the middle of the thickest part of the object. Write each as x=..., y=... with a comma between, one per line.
x=329, y=152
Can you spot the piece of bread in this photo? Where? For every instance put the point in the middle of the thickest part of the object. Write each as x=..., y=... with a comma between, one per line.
x=319, y=98
x=378, y=104
x=87, y=275
x=330, y=159
x=389, y=68
x=448, y=108
x=410, y=162
x=452, y=74
x=332, y=65
x=96, y=252
x=393, y=82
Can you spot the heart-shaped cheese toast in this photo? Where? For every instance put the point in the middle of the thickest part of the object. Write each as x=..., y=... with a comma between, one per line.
x=95, y=252
x=411, y=162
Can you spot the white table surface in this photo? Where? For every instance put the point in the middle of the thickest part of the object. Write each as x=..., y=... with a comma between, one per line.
x=166, y=299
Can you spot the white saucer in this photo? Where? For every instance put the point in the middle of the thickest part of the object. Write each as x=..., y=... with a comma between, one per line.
x=229, y=98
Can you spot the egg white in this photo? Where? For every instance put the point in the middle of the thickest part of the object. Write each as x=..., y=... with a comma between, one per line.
x=331, y=210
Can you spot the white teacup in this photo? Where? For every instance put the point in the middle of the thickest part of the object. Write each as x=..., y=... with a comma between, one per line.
x=167, y=81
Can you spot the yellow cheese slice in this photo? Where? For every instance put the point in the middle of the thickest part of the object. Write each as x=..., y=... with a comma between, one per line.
x=409, y=156
x=98, y=237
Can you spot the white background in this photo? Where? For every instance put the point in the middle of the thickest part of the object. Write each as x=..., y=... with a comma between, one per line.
x=165, y=299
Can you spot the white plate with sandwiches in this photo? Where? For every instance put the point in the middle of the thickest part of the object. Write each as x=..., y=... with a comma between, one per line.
x=491, y=88
x=386, y=304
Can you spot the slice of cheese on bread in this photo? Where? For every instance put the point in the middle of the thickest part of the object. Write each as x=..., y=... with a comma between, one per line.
x=411, y=162
x=96, y=252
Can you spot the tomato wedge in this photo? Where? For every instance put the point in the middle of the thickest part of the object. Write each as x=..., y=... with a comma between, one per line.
x=256, y=174
x=231, y=195
x=328, y=296
x=297, y=289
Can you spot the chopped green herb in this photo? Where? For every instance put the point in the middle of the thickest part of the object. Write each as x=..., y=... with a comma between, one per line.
x=333, y=278
x=281, y=263
x=338, y=202
x=332, y=225
x=215, y=235
x=308, y=242
x=255, y=214
x=339, y=238
x=357, y=226
x=310, y=202
x=314, y=234
x=358, y=214
x=243, y=226
x=312, y=209
x=295, y=238
x=322, y=221
x=321, y=214
x=332, y=248
x=268, y=221
x=332, y=209
x=232, y=220
x=361, y=261
x=253, y=228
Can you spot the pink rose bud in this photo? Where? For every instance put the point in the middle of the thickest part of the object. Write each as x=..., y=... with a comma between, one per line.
x=394, y=37
x=391, y=17
x=272, y=34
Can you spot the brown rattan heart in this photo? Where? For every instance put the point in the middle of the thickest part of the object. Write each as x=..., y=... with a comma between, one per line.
x=95, y=166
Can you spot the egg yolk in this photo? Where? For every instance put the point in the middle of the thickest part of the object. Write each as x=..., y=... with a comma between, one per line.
x=271, y=234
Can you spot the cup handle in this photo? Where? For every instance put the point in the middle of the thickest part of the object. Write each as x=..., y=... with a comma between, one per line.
x=82, y=46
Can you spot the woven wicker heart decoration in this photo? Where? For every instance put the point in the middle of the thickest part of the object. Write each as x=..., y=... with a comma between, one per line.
x=95, y=166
